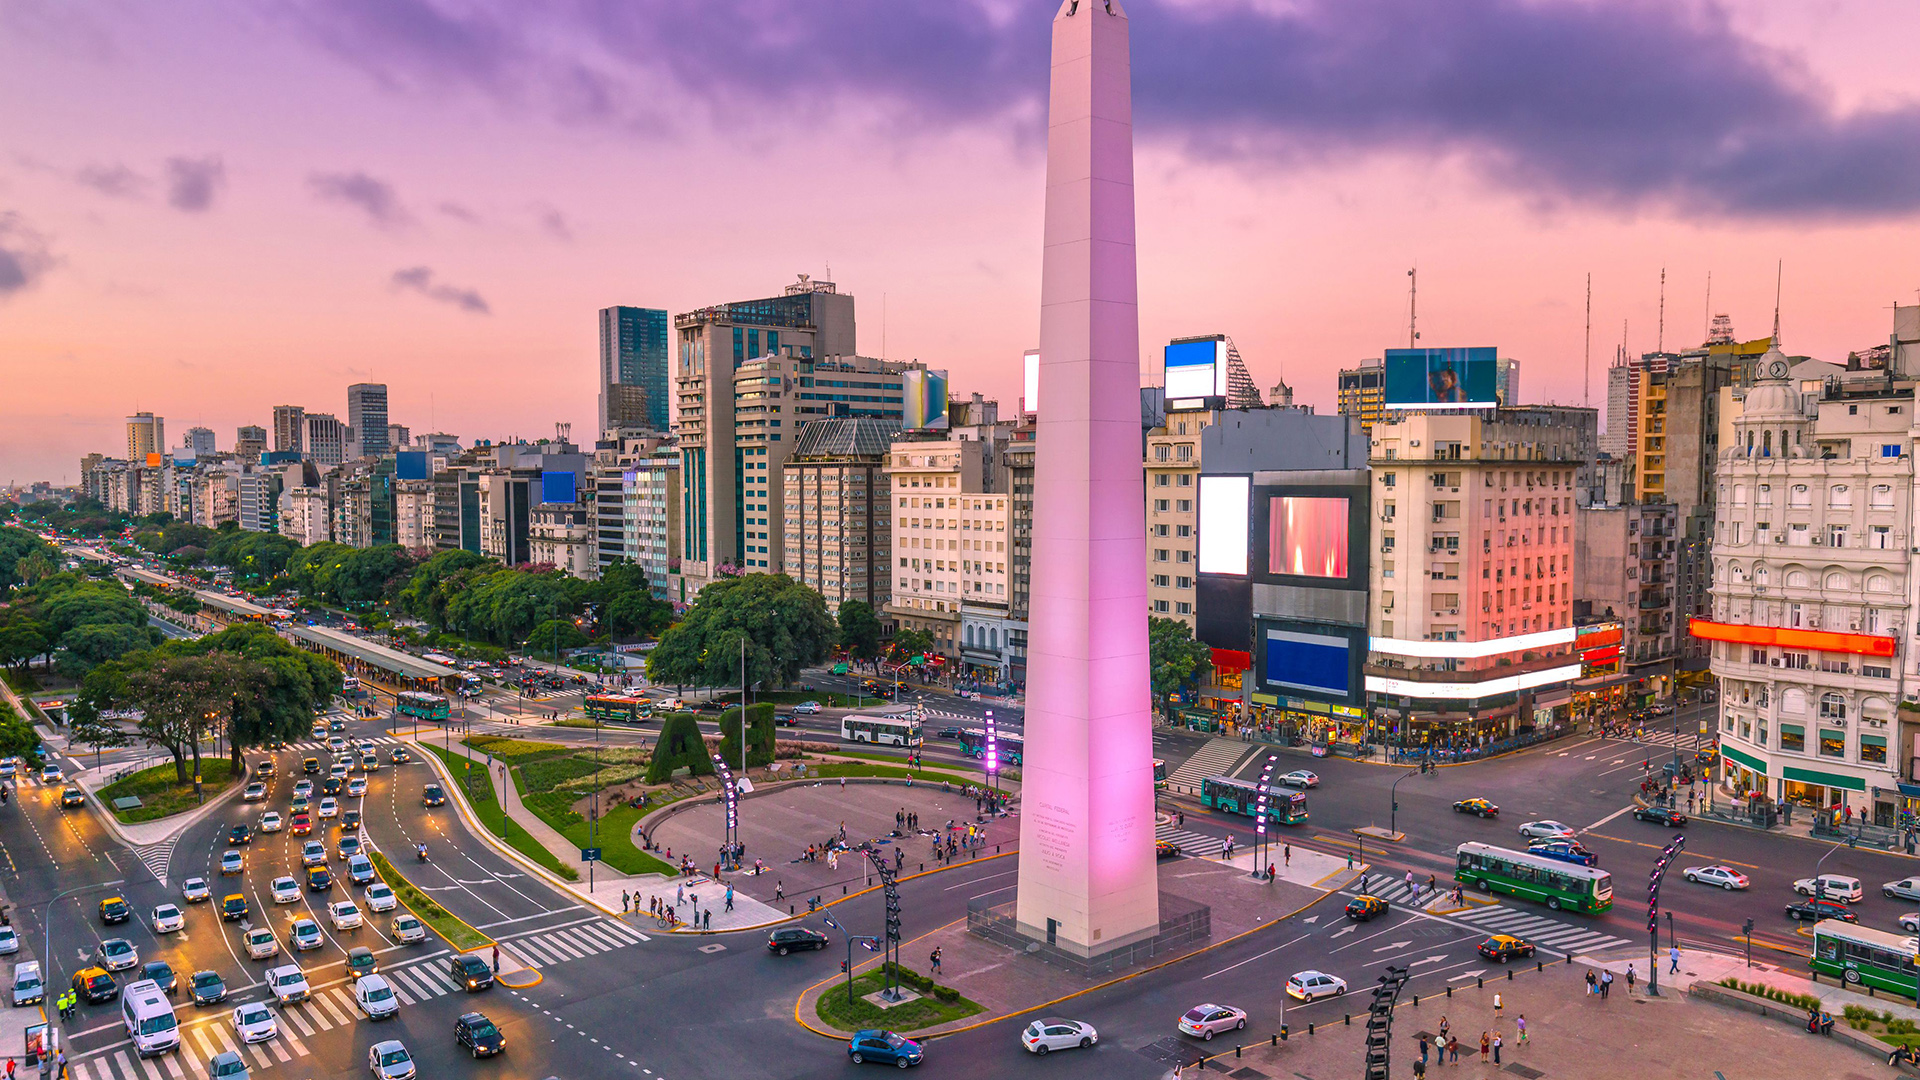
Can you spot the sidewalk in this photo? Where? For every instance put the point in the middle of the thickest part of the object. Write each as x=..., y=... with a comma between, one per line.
x=146, y=833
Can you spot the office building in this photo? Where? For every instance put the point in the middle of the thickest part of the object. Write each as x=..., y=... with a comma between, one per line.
x=367, y=416
x=837, y=519
x=250, y=442
x=324, y=439
x=306, y=516
x=1173, y=471
x=146, y=435
x=650, y=518
x=199, y=442
x=1021, y=450
x=951, y=521
x=1362, y=392
x=289, y=428
x=399, y=438
x=413, y=505
x=634, y=343
x=1624, y=556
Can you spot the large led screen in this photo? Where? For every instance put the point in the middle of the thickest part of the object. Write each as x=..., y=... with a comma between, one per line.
x=1196, y=369
x=1442, y=378
x=558, y=487
x=1307, y=536
x=1223, y=524
x=1307, y=662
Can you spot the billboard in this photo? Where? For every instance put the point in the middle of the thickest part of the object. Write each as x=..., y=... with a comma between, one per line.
x=1442, y=378
x=558, y=487
x=1030, y=382
x=923, y=399
x=1307, y=536
x=1313, y=662
x=1196, y=368
x=1223, y=523
x=412, y=465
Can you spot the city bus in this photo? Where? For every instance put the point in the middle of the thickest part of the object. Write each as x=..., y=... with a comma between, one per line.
x=423, y=705
x=1557, y=884
x=1009, y=749
x=1159, y=773
x=1242, y=797
x=350, y=685
x=615, y=707
x=880, y=730
x=1859, y=955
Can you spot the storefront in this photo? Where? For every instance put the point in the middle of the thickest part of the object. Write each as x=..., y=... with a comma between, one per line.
x=1291, y=720
x=1741, y=772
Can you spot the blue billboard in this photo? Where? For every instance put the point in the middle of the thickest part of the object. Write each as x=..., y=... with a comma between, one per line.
x=1312, y=662
x=412, y=465
x=558, y=487
x=1196, y=367
x=1442, y=378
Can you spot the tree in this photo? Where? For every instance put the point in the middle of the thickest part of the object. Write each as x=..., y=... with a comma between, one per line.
x=1177, y=659
x=784, y=624
x=553, y=635
x=910, y=643
x=22, y=639
x=680, y=746
x=17, y=546
x=180, y=698
x=87, y=646
x=859, y=629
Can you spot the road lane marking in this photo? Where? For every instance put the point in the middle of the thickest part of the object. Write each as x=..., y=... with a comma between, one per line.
x=1251, y=959
x=1623, y=810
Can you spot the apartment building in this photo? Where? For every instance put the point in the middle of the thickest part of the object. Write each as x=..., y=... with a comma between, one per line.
x=951, y=521
x=1173, y=469
x=837, y=513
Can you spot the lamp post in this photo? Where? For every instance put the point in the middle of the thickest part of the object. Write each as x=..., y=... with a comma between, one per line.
x=992, y=760
x=46, y=938
x=1262, y=793
x=1393, y=795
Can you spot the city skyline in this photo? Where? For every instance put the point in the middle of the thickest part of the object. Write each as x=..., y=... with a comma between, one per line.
x=471, y=288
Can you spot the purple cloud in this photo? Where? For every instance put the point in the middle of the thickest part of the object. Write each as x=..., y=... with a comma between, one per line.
x=1626, y=104
x=24, y=255
x=192, y=183
x=459, y=212
x=116, y=181
x=420, y=279
x=554, y=224
x=376, y=198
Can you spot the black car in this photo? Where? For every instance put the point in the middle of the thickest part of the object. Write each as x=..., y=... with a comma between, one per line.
x=207, y=987
x=240, y=834
x=432, y=795
x=350, y=821
x=161, y=973
x=1366, y=908
x=361, y=961
x=319, y=880
x=478, y=1034
x=114, y=910
x=794, y=938
x=1660, y=815
x=1814, y=909
x=331, y=786
x=471, y=972
x=783, y=719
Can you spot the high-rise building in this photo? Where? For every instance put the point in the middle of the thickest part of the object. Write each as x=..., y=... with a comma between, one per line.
x=146, y=434
x=199, y=442
x=837, y=514
x=650, y=518
x=324, y=439
x=1021, y=451
x=289, y=428
x=250, y=442
x=1362, y=391
x=634, y=343
x=398, y=437
x=1173, y=469
x=367, y=416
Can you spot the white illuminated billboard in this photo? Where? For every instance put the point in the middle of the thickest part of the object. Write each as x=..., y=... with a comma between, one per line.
x=1223, y=523
x=1196, y=369
x=1030, y=371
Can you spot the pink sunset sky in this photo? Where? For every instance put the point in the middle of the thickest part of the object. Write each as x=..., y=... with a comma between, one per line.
x=210, y=208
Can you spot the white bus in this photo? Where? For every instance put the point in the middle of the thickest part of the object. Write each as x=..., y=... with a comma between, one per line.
x=881, y=730
x=149, y=1018
x=440, y=658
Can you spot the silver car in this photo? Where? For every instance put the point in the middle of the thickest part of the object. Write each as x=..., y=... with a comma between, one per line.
x=1300, y=778
x=389, y=1060
x=1907, y=888
x=1057, y=1033
x=1206, y=1021
x=1546, y=830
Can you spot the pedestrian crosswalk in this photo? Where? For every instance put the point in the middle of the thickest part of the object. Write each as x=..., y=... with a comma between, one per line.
x=158, y=857
x=320, y=745
x=1397, y=892
x=1188, y=841
x=1213, y=759
x=541, y=948
x=1687, y=740
x=1540, y=930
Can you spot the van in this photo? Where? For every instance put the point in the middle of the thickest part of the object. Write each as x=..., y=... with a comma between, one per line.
x=149, y=1017
x=1831, y=887
x=360, y=870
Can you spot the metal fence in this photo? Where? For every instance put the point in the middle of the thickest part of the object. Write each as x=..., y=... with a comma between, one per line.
x=1183, y=924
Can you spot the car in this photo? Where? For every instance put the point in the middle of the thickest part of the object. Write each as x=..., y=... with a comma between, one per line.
x=309, y=766
x=254, y=1022
x=28, y=987
x=361, y=961
x=232, y=862
x=478, y=1034
x=51, y=774
x=369, y=761
x=288, y=984
x=336, y=726
x=115, y=909
x=785, y=719
x=674, y=704
x=807, y=708
x=1057, y=1033
x=329, y=808
x=207, y=987
x=1831, y=887
x=1206, y=1021
x=285, y=890
x=1906, y=889
x=264, y=767
x=305, y=934
x=116, y=954
x=303, y=789
x=471, y=971
x=240, y=834
x=1724, y=876
x=261, y=943
x=1566, y=851
x=349, y=845
x=1546, y=830
x=380, y=897
x=195, y=890
x=356, y=787
x=332, y=785
x=337, y=743
x=432, y=795
x=313, y=853
x=9, y=941
x=1366, y=908
x=319, y=879
x=8, y=767
x=1165, y=849
x=407, y=929
x=1501, y=948
x=271, y=821
x=300, y=805
x=350, y=821
x=1310, y=984
x=72, y=797
x=254, y=792
x=375, y=997
x=885, y=1048
x=1300, y=778
x=1910, y=922
x=95, y=985
x=793, y=939
x=233, y=908
x=389, y=1060
x=1476, y=807
x=1804, y=910
x=399, y=755
x=360, y=870
x=1660, y=815
x=949, y=732
x=302, y=823
x=160, y=973
x=167, y=918
x=228, y=1065
x=345, y=915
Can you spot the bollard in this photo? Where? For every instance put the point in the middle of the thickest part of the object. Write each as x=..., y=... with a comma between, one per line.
x=1870, y=990
x=1537, y=966
x=1348, y=1019
x=923, y=868
x=1283, y=1033
x=974, y=854
x=1449, y=992
x=790, y=909
x=1479, y=983
x=1509, y=974
x=1276, y=1040
x=843, y=890
x=1236, y=1051
x=1309, y=1028
x=996, y=849
x=1416, y=1001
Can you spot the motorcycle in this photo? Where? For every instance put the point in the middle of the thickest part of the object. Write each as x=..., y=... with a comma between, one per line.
x=421, y=853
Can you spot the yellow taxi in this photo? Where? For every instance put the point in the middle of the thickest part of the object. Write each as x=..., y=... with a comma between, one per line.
x=1366, y=908
x=115, y=909
x=1476, y=807
x=1501, y=948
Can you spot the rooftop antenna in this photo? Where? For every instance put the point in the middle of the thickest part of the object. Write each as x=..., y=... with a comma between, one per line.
x=1413, y=307
x=1706, y=317
x=1660, y=337
x=883, y=321
x=1586, y=375
x=1779, y=271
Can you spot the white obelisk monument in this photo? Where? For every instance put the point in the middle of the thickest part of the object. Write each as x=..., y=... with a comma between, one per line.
x=1087, y=879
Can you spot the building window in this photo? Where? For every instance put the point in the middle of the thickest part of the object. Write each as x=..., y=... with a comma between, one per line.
x=1833, y=744
x=1833, y=707
x=1792, y=737
x=1873, y=749
x=1159, y=479
x=1183, y=608
x=1159, y=506
x=1160, y=606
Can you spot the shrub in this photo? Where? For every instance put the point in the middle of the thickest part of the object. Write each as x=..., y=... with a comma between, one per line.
x=946, y=993
x=680, y=745
x=549, y=773
x=514, y=751
x=608, y=777
x=1784, y=997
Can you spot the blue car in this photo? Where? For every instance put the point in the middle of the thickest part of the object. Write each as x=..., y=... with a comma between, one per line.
x=1566, y=851
x=885, y=1047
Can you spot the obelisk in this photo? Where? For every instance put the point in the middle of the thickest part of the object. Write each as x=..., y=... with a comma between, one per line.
x=1087, y=879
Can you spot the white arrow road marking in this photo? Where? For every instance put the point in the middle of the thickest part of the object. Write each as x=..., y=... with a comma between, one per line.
x=1394, y=945
x=1427, y=960
x=1342, y=932
x=1468, y=975
x=1311, y=919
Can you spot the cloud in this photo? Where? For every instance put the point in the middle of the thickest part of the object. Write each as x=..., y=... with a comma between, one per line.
x=375, y=197
x=115, y=180
x=24, y=255
x=458, y=212
x=554, y=224
x=192, y=183
x=1626, y=104
x=420, y=279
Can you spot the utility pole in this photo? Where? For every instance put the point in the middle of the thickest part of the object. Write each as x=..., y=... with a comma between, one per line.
x=1586, y=361
x=1660, y=337
x=1413, y=308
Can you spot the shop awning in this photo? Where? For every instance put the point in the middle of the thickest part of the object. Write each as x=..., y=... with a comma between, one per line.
x=1826, y=779
x=1231, y=660
x=1748, y=760
x=1552, y=698
x=1911, y=791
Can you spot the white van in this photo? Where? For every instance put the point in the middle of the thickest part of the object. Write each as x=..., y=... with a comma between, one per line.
x=149, y=1016
x=1831, y=887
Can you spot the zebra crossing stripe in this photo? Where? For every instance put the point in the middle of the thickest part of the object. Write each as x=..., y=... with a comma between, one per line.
x=260, y=1054
x=173, y=1066
x=409, y=980
x=584, y=940
x=298, y=1021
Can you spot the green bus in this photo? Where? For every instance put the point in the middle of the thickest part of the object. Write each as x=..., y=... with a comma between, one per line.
x=616, y=707
x=1243, y=796
x=1859, y=955
x=423, y=705
x=1552, y=882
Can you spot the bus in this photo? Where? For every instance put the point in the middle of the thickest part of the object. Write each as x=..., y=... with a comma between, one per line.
x=1159, y=773
x=1858, y=955
x=1242, y=796
x=1010, y=749
x=615, y=707
x=1557, y=884
x=440, y=658
x=350, y=685
x=423, y=705
x=880, y=730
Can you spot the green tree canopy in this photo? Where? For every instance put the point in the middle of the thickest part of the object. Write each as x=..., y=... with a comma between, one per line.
x=859, y=629
x=1177, y=659
x=784, y=624
x=17, y=545
x=89, y=645
x=554, y=635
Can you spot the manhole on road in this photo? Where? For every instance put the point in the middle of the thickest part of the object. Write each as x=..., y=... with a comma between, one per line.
x=1170, y=1051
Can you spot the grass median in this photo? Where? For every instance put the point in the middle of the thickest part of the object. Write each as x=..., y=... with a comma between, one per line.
x=486, y=807
x=160, y=792
x=936, y=1005
x=542, y=774
x=448, y=925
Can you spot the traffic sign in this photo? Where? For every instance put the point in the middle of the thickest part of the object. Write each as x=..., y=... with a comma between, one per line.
x=589, y=854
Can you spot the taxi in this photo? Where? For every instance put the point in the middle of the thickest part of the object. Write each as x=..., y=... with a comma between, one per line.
x=310, y=766
x=95, y=985
x=1165, y=849
x=233, y=907
x=1476, y=807
x=1366, y=908
x=115, y=909
x=1501, y=948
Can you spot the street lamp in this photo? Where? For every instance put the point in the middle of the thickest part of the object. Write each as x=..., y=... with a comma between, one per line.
x=1393, y=815
x=1262, y=792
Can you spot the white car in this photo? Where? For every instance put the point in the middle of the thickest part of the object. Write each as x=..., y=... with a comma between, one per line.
x=674, y=704
x=806, y=708
x=1910, y=922
x=329, y=808
x=9, y=941
x=271, y=821
x=255, y=792
x=195, y=890
x=407, y=929
x=1546, y=830
x=380, y=898
x=356, y=787
x=345, y=915
x=375, y=997
x=1055, y=1033
x=1905, y=889
x=261, y=943
x=51, y=774
x=336, y=744
x=1831, y=887
x=390, y=1061
x=1300, y=778
x=1724, y=876
x=305, y=934
x=313, y=853
x=288, y=983
x=167, y=919
x=1308, y=985
x=254, y=1022
x=232, y=861
x=1206, y=1021
x=303, y=789
x=285, y=890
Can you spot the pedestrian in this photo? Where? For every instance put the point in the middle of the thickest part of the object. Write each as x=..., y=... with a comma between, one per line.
x=933, y=960
x=496, y=959
x=1593, y=983
x=843, y=783
x=1453, y=1049
x=1411, y=887
x=679, y=894
x=707, y=918
x=1496, y=1048
x=1443, y=1032
x=623, y=901
x=1497, y=1004
x=1420, y=1069
x=1486, y=1044
x=1286, y=855
x=779, y=891
x=1423, y=1048
x=1673, y=960
x=1521, y=1025
x=1433, y=884
x=1629, y=980
x=1606, y=985
x=9, y=1069
x=729, y=898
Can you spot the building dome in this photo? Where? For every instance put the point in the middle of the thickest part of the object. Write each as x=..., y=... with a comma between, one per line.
x=1774, y=396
